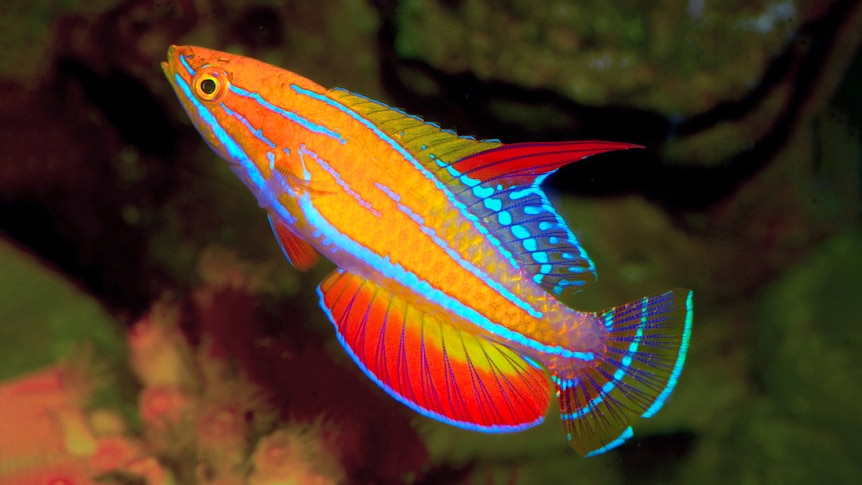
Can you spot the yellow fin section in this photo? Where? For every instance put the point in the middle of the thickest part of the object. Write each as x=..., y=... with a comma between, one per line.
x=430, y=144
x=438, y=370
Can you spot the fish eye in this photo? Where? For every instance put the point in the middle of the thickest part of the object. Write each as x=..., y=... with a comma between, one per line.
x=209, y=84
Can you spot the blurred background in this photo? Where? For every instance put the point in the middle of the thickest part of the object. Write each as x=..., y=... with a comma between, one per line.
x=151, y=331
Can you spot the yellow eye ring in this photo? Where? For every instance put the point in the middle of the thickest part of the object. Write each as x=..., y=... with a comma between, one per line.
x=209, y=84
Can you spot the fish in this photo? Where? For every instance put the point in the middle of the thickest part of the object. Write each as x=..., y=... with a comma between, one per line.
x=450, y=259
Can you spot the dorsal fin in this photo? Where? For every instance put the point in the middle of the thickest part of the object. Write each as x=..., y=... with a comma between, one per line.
x=522, y=164
x=424, y=140
x=444, y=152
x=502, y=186
x=499, y=184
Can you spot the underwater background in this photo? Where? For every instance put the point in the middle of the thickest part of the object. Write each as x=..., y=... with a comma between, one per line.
x=152, y=332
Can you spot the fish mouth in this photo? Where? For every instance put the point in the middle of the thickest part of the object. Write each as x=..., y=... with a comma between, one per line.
x=168, y=65
x=175, y=55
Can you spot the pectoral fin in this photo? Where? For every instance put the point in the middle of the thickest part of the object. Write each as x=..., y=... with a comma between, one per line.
x=300, y=254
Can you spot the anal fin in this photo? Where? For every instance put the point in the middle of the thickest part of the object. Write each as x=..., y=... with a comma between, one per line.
x=431, y=366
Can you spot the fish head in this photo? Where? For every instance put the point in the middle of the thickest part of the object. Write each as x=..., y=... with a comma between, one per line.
x=231, y=100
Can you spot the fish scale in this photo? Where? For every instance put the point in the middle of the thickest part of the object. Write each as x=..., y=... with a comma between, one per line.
x=448, y=254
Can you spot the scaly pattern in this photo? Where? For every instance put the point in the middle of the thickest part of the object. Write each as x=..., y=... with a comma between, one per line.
x=448, y=254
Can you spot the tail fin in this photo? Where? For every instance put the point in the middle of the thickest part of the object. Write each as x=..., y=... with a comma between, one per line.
x=644, y=356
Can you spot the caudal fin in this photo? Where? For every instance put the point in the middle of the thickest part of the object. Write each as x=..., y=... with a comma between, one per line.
x=644, y=356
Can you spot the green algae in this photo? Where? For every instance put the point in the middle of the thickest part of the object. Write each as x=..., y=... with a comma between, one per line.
x=809, y=337
x=654, y=55
x=798, y=421
x=27, y=30
x=44, y=319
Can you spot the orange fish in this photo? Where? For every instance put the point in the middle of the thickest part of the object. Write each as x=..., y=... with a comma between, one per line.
x=448, y=252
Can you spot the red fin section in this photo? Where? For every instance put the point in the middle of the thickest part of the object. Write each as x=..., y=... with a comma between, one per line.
x=434, y=368
x=300, y=254
x=519, y=164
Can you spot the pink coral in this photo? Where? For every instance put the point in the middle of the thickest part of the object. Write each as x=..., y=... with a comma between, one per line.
x=296, y=454
x=26, y=424
x=114, y=453
x=164, y=405
x=63, y=471
x=46, y=438
x=223, y=439
x=151, y=471
x=159, y=353
x=210, y=389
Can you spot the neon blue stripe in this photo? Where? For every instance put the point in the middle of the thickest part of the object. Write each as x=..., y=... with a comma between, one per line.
x=620, y=372
x=545, y=206
x=539, y=205
x=520, y=194
x=626, y=434
x=412, y=405
x=397, y=273
x=258, y=133
x=478, y=273
x=678, y=365
x=185, y=64
x=233, y=149
x=304, y=122
x=338, y=179
x=418, y=166
x=268, y=193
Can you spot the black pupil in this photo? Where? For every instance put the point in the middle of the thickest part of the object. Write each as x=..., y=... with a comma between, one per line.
x=208, y=86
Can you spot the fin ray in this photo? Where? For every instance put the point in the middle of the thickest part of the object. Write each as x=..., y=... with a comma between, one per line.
x=521, y=164
x=426, y=141
x=646, y=347
x=297, y=250
x=433, y=367
x=500, y=185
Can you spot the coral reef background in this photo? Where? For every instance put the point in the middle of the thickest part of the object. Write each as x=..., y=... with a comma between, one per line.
x=151, y=331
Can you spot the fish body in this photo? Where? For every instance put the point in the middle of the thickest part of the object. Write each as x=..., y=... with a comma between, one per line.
x=448, y=252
